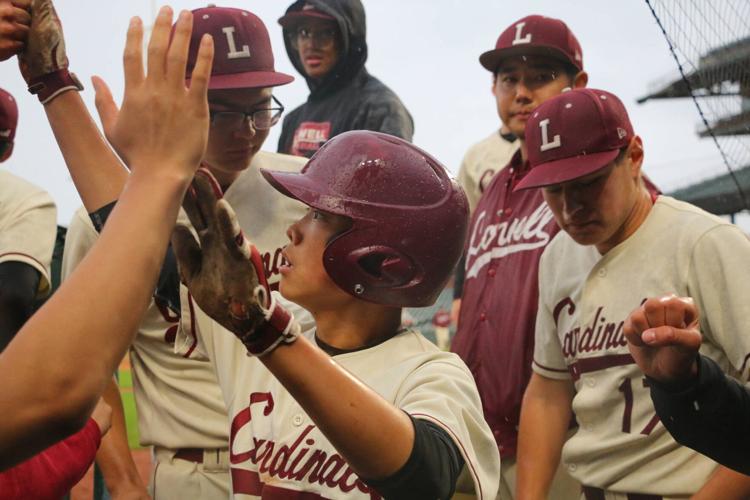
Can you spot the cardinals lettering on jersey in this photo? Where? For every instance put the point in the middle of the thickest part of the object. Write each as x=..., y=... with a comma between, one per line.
x=295, y=459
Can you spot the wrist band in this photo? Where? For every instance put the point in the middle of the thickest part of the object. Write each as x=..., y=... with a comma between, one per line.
x=49, y=86
x=279, y=326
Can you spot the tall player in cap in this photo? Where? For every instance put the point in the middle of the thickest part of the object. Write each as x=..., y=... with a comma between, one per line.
x=358, y=408
x=620, y=244
x=28, y=224
x=180, y=409
x=535, y=59
x=326, y=42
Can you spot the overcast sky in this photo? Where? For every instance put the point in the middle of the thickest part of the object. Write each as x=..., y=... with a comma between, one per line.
x=426, y=51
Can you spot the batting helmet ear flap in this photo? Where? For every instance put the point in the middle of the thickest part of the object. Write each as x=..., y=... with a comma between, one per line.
x=384, y=265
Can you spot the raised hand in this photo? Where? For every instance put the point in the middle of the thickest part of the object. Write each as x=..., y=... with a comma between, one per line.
x=163, y=123
x=14, y=26
x=664, y=339
x=224, y=273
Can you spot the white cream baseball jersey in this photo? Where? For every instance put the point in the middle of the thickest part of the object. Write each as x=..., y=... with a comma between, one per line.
x=275, y=449
x=28, y=226
x=178, y=398
x=481, y=162
x=585, y=297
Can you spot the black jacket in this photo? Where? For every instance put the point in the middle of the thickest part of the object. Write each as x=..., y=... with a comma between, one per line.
x=348, y=97
x=711, y=415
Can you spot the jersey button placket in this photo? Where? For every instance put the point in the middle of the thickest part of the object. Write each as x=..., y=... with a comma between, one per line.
x=298, y=419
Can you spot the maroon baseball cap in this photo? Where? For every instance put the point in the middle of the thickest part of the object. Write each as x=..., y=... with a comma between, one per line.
x=242, y=49
x=535, y=35
x=307, y=11
x=574, y=134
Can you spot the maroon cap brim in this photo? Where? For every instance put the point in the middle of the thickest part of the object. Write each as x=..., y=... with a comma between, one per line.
x=302, y=188
x=492, y=58
x=299, y=15
x=566, y=169
x=249, y=80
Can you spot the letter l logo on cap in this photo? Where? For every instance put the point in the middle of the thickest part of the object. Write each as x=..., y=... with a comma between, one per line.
x=233, y=52
x=519, y=31
x=546, y=144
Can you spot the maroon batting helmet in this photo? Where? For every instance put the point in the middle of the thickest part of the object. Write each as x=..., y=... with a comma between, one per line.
x=409, y=219
x=8, y=123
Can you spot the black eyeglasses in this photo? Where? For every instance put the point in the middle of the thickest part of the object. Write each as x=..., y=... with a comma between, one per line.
x=261, y=119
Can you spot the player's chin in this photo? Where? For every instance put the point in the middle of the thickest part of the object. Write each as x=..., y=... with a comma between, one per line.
x=587, y=234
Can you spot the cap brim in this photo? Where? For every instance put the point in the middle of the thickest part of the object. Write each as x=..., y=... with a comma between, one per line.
x=295, y=17
x=492, y=58
x=249, y=80
x=565, y=170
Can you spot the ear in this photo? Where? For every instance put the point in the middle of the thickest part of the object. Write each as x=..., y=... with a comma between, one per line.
x=580, y=80
x=493, y=89
x=635, y=155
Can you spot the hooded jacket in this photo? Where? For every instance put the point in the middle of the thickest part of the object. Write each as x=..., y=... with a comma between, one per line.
x=348, y=97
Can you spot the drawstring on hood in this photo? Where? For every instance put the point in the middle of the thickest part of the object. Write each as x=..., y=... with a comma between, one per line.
x=350, y=16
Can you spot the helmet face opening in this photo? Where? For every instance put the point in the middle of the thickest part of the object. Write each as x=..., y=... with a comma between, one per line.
x=409, y=219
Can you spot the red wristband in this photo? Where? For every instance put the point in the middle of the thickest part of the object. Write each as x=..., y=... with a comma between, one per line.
x=49, y=86
x=279, y=327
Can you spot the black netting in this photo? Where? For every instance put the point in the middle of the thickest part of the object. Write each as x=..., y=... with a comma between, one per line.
x=710, y=42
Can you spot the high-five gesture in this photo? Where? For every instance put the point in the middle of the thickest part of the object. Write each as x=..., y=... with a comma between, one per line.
x=162, y=122
x=663, y=338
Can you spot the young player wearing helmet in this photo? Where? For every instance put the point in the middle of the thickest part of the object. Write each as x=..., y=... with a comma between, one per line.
x=28, y=223
x=619, y=244
x=358, y=407
x=325, y=40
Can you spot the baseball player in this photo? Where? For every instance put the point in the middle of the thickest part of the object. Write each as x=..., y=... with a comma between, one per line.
x=357, y=407
x=14, y=26
x=64, y=337
x=180, y=409
x=28, y=224
x=534, y=59
x=619, y=245
x=325, y=40
x=482, y=161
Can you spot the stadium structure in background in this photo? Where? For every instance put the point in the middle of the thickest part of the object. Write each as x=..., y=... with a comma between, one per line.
x=710, y=42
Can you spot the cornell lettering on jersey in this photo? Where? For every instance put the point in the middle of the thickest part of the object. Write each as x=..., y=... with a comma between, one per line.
x=299, y=461
x=494, y=241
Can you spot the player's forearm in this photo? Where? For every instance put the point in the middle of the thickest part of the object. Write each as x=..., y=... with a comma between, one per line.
x=374, y=437
x=725, y=484
x=545, y=417
x=98, y=310
x=114, y=457
x=96, y=171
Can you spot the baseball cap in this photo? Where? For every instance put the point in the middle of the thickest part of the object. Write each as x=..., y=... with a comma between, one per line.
x=242, y=49
x=535, y=35
x=307, y=11
x=8, y=123
x=574, y=134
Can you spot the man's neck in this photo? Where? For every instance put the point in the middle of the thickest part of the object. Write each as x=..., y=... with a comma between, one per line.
x=636, y=217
